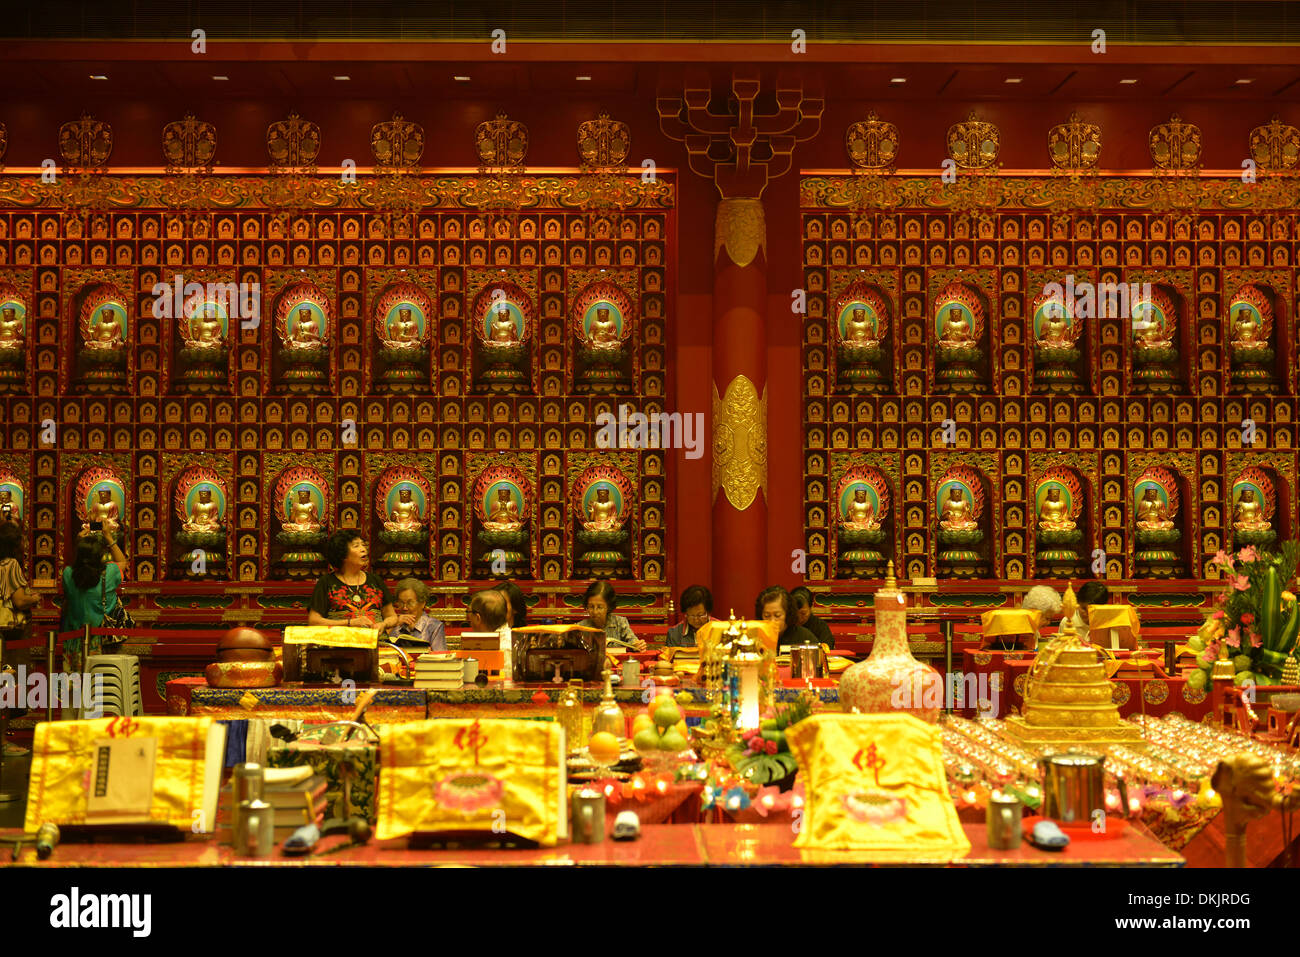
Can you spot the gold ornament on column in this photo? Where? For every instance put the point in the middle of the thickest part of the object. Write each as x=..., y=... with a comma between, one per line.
x=741, y=229
x=1275, y=147
x=740, y=442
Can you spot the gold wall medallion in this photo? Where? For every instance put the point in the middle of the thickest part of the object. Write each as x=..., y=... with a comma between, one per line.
x=397, y=145
x=872, y=143
x=85, y=144
x=603, y=143
x=189, y=146
x=292, y=144
x=740, y=442
x=1276, y=146
x=741, y=229
x=1074, y=144
x=974, y=144
x=1175, y=145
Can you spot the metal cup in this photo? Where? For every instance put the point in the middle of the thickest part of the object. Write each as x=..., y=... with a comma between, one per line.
x=255, y=829
x=588, y=816
x=631, y=673
x=804, y=661
x=1073, y=787
x=471, y=670
x=1002, y=818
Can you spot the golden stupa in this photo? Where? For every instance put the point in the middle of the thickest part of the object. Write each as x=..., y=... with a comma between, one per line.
x=1068, y=699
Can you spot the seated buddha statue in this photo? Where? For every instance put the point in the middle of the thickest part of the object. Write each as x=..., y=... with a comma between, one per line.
x=603, y=331
x=306, y=331
x=505, y=513
x=11, y=327
x=104, y=509
x=1151, y=511
x=205, y=515
x=503, y=328
x=1055, y=331
x=1248, y=514
x=602, y=514
x=955, y=328
x=107, y=333
x=205, y=329
x=1246, y=332
x=956, y=514
x=302, y=514
x=404, y=328
x=405, y=513
x=857, y=328
x=1054, y=513
x=860, y=514
x=1150, y=331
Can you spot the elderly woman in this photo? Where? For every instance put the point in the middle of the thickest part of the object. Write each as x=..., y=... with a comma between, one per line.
x=350, y=595
x=600, y=602
x=414, y=625
x=1044, y=599
x=774, y=604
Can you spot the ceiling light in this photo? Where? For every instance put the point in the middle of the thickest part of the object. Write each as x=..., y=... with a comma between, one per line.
x=899, y=79
x=1244, y=81
x=1127, y=82
x=343, y=78
x=1014, y=79
x=461, y=79
x=98, y=76
x=582, y=78
x=221, y=78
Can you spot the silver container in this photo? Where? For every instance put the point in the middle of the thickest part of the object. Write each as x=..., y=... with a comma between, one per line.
x=806, y=661
x=1002, y=818
x=588, y=823
x=631, y=673
x=255, y=829
x=247, y=784
x=471, y=670
x=1073, y=787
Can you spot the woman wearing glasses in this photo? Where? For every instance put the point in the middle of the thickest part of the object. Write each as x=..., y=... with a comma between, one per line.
x=697, y=608
x=600, y=603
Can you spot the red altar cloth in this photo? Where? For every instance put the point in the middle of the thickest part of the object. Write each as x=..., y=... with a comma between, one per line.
x=1145, y=695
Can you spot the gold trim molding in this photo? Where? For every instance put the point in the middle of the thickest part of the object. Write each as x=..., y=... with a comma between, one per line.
x=740, y=442
x=740, y=228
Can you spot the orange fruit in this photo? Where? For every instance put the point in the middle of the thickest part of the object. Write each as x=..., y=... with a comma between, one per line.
x=604, y=748
x=642, y=721
x=681, y=726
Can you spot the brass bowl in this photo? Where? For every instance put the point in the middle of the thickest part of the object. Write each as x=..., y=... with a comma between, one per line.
x=244, y=674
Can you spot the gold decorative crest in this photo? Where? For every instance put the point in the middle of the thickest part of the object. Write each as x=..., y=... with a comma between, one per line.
x=189, y=146
x=501, y=143
x=974, y=144
x=1074, y=145
x=741, y=229
x=293, y=144
x=397, y=145
x=740, y=442
x=1175, y=145
x=1276, y=146
x=603, y=143
x=85, y=144
x=872, y=143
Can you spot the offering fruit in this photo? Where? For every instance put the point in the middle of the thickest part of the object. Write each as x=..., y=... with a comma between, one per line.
x=673, y=740
x=666, y=715
x=647, y=739
x=641, y=722
x=604, y=748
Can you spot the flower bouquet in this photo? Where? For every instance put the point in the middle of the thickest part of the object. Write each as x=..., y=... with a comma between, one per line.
x=763, y=756
x=1257, y=620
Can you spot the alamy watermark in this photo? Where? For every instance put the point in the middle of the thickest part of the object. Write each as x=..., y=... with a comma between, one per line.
x=971, y=689
x=1103, y=300
x=35, y=691
x=658, y=430
x=240, y=300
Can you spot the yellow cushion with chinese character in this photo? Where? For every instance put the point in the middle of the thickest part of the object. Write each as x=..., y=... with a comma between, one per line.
x=875, y=782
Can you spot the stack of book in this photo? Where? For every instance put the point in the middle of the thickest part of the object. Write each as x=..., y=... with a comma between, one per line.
x=295, y=805
x=440, y=673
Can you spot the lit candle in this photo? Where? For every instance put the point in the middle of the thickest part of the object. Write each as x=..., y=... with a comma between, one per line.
x=749, y=716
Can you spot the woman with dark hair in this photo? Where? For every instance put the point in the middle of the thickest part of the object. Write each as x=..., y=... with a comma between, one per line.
x=518, y=616
x=350, y=595
x=15, y=596
x=775, y=605
x=600, y=603
x=90, y=586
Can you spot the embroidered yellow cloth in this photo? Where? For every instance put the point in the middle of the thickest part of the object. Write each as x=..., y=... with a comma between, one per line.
x=333, y=637
x=1011, y=621
x=875, y=782
x=763, y=632
x=1102, y=619
x=63, y=755
x=491, y=775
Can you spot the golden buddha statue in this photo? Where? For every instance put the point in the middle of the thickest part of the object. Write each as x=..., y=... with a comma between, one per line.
x=602, y=514
x=1151, y=511
x=860, y=513
x=105, y=509
x=503, y=327
x=205, y=514
x=1149, y=331
x=302, y=514
x=404, y=328
x=505, y=513
x=11, y=327
x=603, y=331
x=1246, y=332
x=956, y=514
x=1054, y=513
x=1248, y=514
x=205, y=328
x=857, y=328
x=107, y=333
x=955, y=328
x=405, y=513
x=306, y=331
x=1055, y=331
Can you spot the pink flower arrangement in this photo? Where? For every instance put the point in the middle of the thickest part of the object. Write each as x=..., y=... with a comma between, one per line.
x=1234, y=638
x=1255, y=640
x=771, y=747
x=1218, y=614
x=1248, y=618
x=1223, y=559
x=1248, y=554
x=1241, y=583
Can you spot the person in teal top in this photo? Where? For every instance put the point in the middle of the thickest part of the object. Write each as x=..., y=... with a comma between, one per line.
x=90, y=586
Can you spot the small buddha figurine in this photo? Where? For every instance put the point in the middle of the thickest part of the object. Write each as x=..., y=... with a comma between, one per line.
x=205, y=329
x=405, y=514
x=860, y=513
x=1055, y=331
x=11, y=327
x=1151, y=511
x=306, y=331
x=603, y=331
x=204, y=514
x=503, y=327
x=857, y=328
x=505, y=513
x=1149, y=331
x=1054, y=513
x=955, y=328
x=956, y=513
x=602, y=514
x=105, y=509
x=7, y=506
x=302, y=514
x=1246, y=332
x=1248, y=514
x=107, y=333
x=404, y=328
